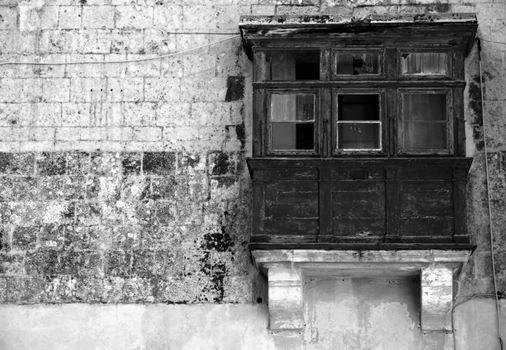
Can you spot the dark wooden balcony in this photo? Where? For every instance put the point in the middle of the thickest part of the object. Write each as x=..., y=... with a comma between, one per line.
x=355, y=203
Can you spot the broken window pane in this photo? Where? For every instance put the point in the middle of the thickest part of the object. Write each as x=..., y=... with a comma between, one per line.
x=424, y=63
x=302, y=65
x=358, y=107
x=358, y=63
x=424, y=122
x=358, y=122
x=292, y=121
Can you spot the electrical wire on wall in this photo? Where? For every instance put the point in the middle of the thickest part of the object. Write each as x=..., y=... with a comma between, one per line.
x=490, y=214
x=19, y=63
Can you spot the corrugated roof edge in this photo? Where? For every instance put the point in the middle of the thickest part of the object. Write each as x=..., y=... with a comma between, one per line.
x=291, y=20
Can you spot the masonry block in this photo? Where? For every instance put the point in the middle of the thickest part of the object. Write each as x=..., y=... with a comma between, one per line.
x=127, y=41
x=159, y=40
x=285, y=298
x=125, y=89
x=8, y=15
x=59, y=41
x=47, y=114
x=56, y=90
x=177, y=113
x=437, y=297
x=143, y=113
x=20, y=90
x=19, y=43
x=168, y=17
x=162, y=90
x=94, y=41
x=138, y=17
x=95, y=17
x=70, y=17
x=88, y=90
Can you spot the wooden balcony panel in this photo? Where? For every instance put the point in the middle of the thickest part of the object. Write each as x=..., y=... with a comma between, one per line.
x=347, y=202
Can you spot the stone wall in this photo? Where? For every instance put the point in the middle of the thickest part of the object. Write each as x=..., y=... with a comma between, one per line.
x=126, y=182
x=124, y=227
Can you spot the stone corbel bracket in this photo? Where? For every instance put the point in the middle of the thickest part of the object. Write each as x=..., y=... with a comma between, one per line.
x=286, y=270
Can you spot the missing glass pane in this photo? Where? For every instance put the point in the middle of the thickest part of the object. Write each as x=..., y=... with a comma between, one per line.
x=424, y=63
x=358, y=122
x=349, y=63
x=424, y=122
x=301, y=65
x=292, y=136
x=358, y=107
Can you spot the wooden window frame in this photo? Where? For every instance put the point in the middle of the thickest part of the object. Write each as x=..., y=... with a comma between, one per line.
x=390, y=84
x=414, y=77
x=350, y=77
x=401, y=92
x=317, y=121
x=382, y=121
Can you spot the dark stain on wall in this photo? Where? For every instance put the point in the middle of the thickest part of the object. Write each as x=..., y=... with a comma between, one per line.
x=88, y=227
x=220, y=242
x=439, y=7
x=221, y=164
x=235, y=88
x=131, y=163
x=475, y=103
x=240, y=131
x=52, y=164
x=159, y=163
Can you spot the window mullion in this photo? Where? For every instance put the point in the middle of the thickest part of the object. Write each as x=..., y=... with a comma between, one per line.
x=325, y=122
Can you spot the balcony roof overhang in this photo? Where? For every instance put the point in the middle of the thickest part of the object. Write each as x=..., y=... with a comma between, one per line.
x=456, y=29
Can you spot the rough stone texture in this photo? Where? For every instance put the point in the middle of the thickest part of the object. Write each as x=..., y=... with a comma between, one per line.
x=126, y=183
x=123, y=227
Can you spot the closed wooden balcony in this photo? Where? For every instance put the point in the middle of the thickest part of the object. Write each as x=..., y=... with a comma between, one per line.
x=359, y=203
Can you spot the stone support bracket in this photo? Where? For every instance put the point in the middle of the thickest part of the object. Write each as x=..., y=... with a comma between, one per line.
x=286, y=270
x=285, y=297
x=437, y=297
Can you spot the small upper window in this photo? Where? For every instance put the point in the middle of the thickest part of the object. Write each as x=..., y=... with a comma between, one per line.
x=357, y=63
x=424, y=63
x=293, y=65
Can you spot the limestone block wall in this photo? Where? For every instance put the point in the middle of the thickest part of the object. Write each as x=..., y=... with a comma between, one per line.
x=126, y=182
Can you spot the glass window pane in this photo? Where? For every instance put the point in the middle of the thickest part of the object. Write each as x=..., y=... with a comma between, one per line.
x=428, y=63
x=292, y=136
x=292, y=107
x=358, y=63
x=358, y=107
x=424, y=136
x=424, y=122
x=301, y=65
x=427, y=107
x=358, y=136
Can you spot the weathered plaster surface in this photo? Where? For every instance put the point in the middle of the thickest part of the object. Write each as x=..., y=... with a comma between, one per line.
x=358, y=312
x=362, y=313
x=125, y=183
x=134, y=327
